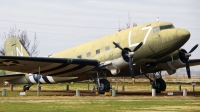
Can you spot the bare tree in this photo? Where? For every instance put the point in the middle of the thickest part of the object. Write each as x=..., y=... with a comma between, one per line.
x=2, y=52
x=23, y=37
x=33, y=51
x=128, y=25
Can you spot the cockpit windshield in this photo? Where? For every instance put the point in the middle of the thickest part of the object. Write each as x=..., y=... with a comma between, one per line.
x=159, y=28
x=166, y=27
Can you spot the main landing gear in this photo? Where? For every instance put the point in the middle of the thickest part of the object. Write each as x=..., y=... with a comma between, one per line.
x=158, y=83
x=27, y=87
x=102, y=84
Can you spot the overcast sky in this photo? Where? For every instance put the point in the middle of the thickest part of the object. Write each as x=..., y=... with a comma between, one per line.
x=62, y=24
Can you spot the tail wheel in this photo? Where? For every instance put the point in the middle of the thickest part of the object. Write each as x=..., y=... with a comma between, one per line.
x=26, y=87
x=104, y=86
x=160, y=85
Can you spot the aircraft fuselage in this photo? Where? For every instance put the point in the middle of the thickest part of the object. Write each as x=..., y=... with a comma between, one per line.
x=155, y=44
x=159, y=39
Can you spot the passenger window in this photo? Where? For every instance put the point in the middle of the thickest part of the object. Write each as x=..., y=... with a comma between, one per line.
x=79, y=56
x=107, y=48
x=98, y=51
x=156, y=30
x=88, y=54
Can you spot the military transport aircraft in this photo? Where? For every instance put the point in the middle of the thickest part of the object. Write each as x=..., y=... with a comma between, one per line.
x=13, y=47
x=139, y=50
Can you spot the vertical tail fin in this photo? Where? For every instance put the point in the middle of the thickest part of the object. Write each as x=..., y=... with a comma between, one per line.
x=13, y=47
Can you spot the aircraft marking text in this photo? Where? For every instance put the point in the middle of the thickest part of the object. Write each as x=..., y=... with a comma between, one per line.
x=18, y=51
x=145, y=38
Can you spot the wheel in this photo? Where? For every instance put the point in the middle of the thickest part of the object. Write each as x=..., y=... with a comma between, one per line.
x=160, y=85
x=26, y=87
x=104, y=86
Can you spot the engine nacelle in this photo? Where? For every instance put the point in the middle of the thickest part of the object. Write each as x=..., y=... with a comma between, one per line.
x=171, y=67
x=171, y=62
x=117, y=63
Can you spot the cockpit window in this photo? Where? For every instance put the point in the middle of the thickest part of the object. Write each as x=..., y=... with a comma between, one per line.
x=166, y=27
x=156, y=29
x=159, y=28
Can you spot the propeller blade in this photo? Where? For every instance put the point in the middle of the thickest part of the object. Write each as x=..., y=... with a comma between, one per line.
x=118, y=46
x=138, y=46
x=131, y=67
x=194, y=48
x=187, y=60
x=188, y=69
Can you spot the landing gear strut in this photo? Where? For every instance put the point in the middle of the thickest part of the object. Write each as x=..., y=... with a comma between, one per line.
x=102, y=84
x=27, y=87
x=158, y=83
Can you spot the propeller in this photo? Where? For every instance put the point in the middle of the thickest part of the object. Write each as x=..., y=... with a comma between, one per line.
x=186, y=56
x=130, y=56
x=194, y=48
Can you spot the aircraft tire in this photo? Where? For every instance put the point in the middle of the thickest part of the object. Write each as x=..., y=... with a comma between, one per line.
x=161, y=85
x=26, y=87
x=104, y=86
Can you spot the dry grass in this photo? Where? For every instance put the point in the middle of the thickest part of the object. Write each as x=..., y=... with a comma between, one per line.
x=99, y=103
x=17, y=103
x=136, y=87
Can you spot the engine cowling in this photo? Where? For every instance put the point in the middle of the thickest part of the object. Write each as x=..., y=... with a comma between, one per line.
x=117, y=63
x=172, y=62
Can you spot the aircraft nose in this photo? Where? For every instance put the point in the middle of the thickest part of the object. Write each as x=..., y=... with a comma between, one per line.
x=183, y=34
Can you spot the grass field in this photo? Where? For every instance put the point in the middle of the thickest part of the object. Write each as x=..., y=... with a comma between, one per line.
x=84, y=86
x=99, y=103
x=13, y=102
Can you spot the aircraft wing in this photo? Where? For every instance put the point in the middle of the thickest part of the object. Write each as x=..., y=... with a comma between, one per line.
x=10, y=77
x=194, y=62
x=47, y=65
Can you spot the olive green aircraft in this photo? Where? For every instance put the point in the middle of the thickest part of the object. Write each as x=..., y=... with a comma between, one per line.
x=13, y=47
x=139, y=50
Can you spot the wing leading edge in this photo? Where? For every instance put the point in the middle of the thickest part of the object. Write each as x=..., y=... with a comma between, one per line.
x=48, y=66
x=194, y=62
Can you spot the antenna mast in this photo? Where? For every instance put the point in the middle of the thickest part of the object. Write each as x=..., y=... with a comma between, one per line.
x=119, y=29
x=157, y=19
